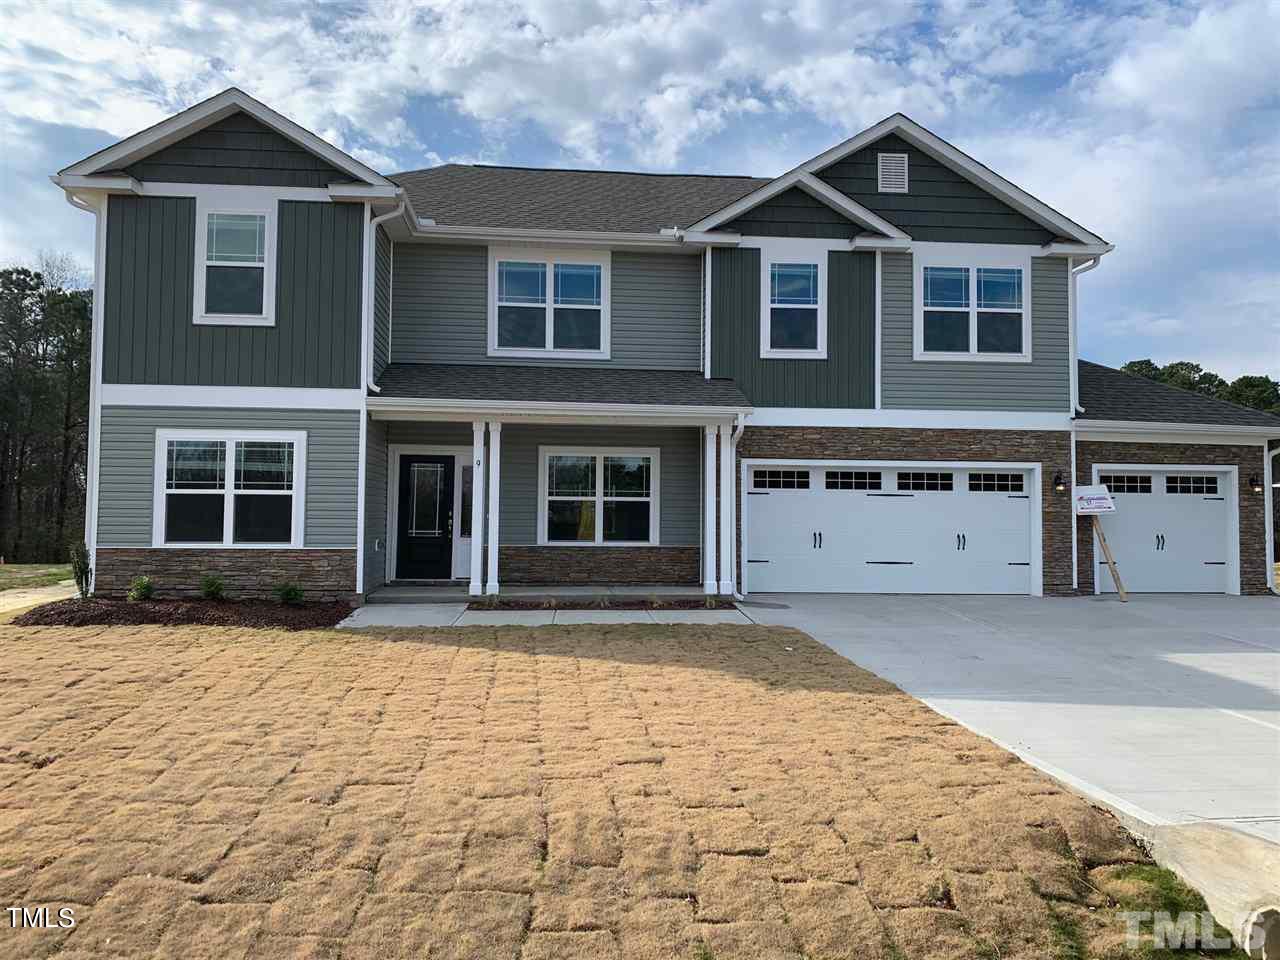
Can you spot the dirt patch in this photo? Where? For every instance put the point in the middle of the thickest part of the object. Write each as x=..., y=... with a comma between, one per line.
x=625, y=791
x=604, y=603
x=177, y=613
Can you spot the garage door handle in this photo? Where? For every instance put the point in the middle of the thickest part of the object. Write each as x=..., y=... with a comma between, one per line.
x=957, y=541
x=815, y=540
x=819, y=539
x=964, y=541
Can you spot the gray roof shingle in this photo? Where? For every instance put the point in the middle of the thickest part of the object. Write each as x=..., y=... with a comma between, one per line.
x=546, y=199
x=1109, y=394
x=543, y=384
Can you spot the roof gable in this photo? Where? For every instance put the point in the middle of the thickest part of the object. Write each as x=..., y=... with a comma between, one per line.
x=171, y=131
x=794, y=213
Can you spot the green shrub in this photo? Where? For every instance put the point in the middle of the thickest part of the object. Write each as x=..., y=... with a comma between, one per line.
x=212, y=587
x=289, y=594
x=80, y=568
x=141, y=588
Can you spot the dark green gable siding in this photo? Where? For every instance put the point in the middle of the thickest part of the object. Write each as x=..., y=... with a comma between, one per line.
x=381, y=301
x=793, y=213
x=940, y=205
x=149, y=336
x=845, y=379
x=238, y=149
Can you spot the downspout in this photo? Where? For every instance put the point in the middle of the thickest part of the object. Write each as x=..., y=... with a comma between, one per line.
x=373, y=246
x=739, y=426
x=1072, y=326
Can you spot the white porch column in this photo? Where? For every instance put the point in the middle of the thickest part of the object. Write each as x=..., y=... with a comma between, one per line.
x=726, y=509
x=476, y=587
x=709, y=480
x=495, y=458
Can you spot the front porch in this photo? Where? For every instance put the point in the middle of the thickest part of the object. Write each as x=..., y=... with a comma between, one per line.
x=466, y=498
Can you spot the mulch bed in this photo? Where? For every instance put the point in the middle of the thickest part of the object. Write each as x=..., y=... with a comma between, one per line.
x=174, y=613
x=604, y=603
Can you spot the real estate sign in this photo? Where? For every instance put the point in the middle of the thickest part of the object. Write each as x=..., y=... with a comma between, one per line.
x=1093, y=499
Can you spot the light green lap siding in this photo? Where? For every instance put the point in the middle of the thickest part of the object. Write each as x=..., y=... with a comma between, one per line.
x=127, y=455
x=912, y=384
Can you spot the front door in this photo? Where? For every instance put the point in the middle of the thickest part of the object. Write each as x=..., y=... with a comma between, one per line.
x=424, y=533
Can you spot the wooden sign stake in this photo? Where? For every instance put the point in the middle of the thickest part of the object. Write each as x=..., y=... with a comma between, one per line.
x=1111, y=561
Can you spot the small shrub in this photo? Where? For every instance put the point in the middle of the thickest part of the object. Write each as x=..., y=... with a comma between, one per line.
x=289, y=594
x=212, y=587
x=80, y=568
x=141, y=588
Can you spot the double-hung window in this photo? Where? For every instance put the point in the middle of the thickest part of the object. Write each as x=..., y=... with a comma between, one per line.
x=228, y=489
x=549, y=304
x=235, y=260
x=602, y=495
x=793, y=316
x=972, y=303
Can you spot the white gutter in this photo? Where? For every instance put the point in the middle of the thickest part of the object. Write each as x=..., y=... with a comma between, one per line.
x=1072, y=326
x=517, y=408
x=369, y=282
x=1076, y=249
x=1142, y=426
x=571, y=237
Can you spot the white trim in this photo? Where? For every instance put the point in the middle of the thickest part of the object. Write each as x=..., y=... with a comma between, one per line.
x=1075, y=527
x=886, y=187
x=368, y=238
x=971, y=256
x=1035, y=503
x=915, y=419
x=790, y=250
x=708, y=473
x=559, y=238
x=879, y=321
x=116, y=183
x=599, y=453
x=495, y=506
x=550, y=257
x=475, y=587
x=1216, y=430
x=229, y=437
x=819, y=190
x=235, y=200
x=206, y=113
x=459, y=453
x=1072, y=250
x=391, y=293
x=444, y=409
x=1232, y=471
x=726, y=510
x=361, y=467
x=182, y=395
x=93, y=457
x=706, y=313
x=1268, y=507
x=362, y=192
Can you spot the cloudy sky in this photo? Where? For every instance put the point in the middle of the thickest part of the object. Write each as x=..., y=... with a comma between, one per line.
x=1157, y=125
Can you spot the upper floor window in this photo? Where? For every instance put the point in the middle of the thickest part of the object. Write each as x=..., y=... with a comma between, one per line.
x=235, y=262
x=547, y=304
x=971, y=303
x=793, y=316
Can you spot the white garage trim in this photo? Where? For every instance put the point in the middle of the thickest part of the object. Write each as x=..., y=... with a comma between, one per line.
x=1035, y=526
x=1232, y=473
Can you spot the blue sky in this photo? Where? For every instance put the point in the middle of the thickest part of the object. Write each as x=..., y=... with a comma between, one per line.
x=1157, y=125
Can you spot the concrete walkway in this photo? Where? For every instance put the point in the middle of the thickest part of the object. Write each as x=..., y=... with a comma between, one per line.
x=457, y=615
x=30, y=596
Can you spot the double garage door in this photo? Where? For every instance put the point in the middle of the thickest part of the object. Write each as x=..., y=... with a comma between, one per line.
x=1170, y=532
x=888, y=529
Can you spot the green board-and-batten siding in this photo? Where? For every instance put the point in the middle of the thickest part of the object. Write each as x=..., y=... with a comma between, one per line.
x=127, y=466
x=940, y=204
x=845, y=379
x=238, y=149
x=381, y=301
x=149, y=335
x=793, y=213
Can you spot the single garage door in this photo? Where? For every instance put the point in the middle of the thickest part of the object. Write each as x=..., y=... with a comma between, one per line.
x=1170, y=532
x=870, y=529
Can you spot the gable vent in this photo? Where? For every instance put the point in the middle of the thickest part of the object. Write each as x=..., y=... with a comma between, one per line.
x=892, y=172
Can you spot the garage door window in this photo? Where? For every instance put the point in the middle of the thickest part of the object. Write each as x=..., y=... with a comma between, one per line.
x=853, y=480
x=995, y=483
x=1126, y=482
x=926, y=481
x=1203, y=486
x=780, y=479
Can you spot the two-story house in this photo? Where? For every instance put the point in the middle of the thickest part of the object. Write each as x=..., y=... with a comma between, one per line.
x=860, y=376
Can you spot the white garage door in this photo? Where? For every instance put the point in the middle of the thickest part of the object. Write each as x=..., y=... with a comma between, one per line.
x=1170, y=531
x=869, y=529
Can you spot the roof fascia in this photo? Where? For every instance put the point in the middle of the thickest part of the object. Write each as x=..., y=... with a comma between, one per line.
x=196, y=118
x=1147, y=426
x=390, y=406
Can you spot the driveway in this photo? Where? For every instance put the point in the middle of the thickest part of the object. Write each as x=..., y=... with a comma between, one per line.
x=1167, y=707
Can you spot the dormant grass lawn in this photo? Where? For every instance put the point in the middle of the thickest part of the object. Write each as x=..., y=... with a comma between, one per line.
x=587, y=792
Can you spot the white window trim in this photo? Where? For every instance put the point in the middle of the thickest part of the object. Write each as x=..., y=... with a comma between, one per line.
x=972, y=256
x=655, y=469
x=550, y=257
x=299, y=440
x=792, y=250
x=235, y=200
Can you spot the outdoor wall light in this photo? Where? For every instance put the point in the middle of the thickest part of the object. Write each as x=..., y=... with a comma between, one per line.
x=1059, y=484
x=1255, y=483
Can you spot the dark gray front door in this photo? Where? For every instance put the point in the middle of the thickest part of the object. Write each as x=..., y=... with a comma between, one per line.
x=424, y=534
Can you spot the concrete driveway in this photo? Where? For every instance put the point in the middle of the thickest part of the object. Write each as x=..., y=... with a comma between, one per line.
x=1166, y=708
